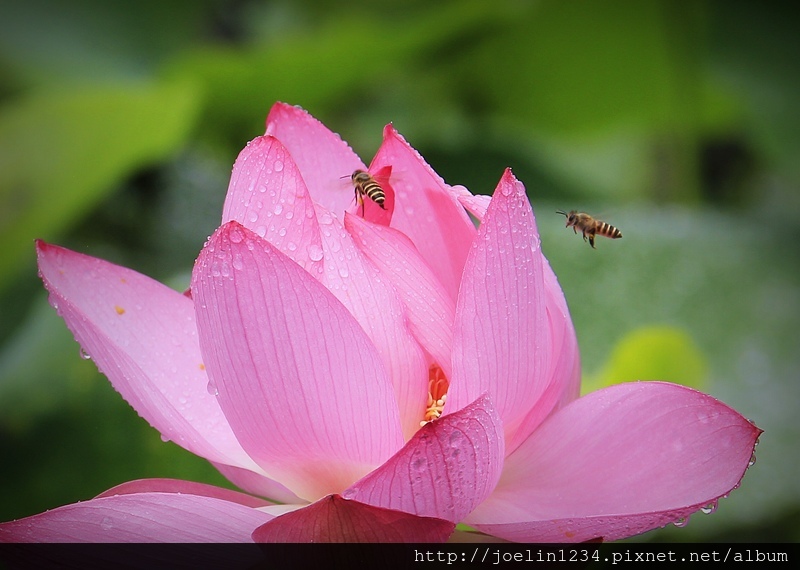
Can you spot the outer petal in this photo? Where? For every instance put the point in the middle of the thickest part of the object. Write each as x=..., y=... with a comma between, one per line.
x=445, y=471
x=142, y=336
x=502, y=339
x=258, y=484
x=370, y=298
x=324, y=159
x=431, y=311
x=426, y=210
x=185, y=488
x=564, y=376
x=334, y=519
x=618, y=462
x=301, y=384
x=141, y=517
x=268, y=196
x=565, y=367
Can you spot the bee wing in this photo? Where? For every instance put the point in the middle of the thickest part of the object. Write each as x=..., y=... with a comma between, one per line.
x=382, y=174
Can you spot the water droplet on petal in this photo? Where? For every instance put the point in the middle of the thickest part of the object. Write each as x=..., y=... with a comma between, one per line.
x=681, y=522
x=164, y=438
x=211, y=388
x=107, y=523
x=237, y=262
x=278, y=209
x=85, y=355
x=278, y=166
x=315, y=252
x=236, y=235
x=709, y=508
x=343, y=272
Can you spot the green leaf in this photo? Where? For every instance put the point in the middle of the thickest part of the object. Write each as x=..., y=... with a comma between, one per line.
x=652, y=353
x=351, y=56
x=611, y=97
x=51, y=42
x=62, y=152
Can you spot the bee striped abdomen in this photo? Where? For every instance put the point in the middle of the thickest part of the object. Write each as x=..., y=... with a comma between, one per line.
x=366, y=185
x=607, y=230
x=375, y=193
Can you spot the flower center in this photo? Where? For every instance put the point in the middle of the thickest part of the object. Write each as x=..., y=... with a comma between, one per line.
x=437, y=394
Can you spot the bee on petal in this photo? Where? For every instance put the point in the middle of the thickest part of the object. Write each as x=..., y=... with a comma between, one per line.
x=589, y=226
x=366, y=185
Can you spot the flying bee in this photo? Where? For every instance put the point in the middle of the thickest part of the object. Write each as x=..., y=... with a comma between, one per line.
x=589, y=226
x=366, y=185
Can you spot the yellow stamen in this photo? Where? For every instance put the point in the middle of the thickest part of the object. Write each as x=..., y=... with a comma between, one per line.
x=437, y=394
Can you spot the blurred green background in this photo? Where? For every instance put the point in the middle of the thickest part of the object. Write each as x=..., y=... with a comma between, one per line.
x=678, y=122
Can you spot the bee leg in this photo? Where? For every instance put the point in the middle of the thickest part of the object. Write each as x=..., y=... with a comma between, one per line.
x=359, y=202
x=591, y=241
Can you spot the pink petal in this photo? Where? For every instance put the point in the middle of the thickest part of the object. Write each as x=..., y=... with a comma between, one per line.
x=502, y=342
x=141, y=517
x=303, y=387
x=268, y=196
x=185, y=488
x=476, y=204
x=371, y=299
x=565, y=368
x=618, y=462
x=426, y=210
x=258, y=484
x=449, y=467
x=334, y=519
x=564, y=376
x=142, y=336
x=430, y=309
x=324, y=159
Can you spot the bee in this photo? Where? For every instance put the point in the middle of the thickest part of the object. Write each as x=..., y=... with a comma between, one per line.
x=589, y=226
x=366, y=185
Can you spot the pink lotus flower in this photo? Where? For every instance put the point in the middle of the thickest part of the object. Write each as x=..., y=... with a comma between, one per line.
x=315, y=342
